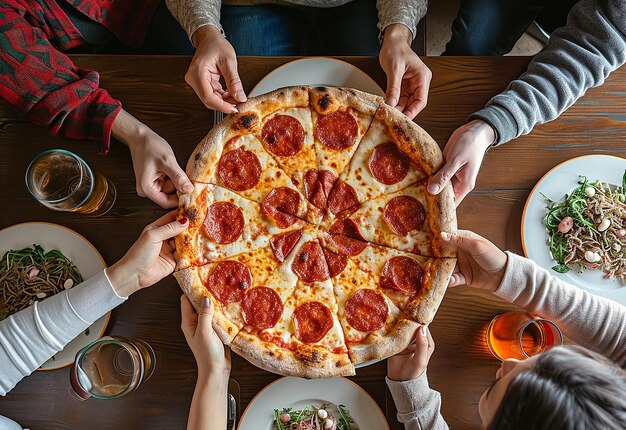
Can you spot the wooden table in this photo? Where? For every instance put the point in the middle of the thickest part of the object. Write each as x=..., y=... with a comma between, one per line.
x=152, y=88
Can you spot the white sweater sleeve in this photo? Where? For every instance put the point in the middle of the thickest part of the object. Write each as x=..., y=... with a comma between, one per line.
x=33, y=335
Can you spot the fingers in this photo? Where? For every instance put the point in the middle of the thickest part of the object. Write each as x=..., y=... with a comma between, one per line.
x=420, y=99
x=205, y=318
x=456, y=279
x=394, y=83
x=233, y=82
x=439, y=180
x=206, y=93
x=424, y=346
x=167, y=231
x=165, y=219
x=178, y=176
x=465, y=240
x=189, y=317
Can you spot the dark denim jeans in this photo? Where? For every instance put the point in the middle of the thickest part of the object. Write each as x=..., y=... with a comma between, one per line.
x=271, y=29
x=491, y=27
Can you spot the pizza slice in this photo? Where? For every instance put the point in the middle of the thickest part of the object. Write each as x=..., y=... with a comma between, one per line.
x=341, y=116
x=374, y=328
x=393, y=154
x=223, y=224
x=232, y=285
x=233, y=157
x=415, y=284
x=307, y=339
x=409, y=220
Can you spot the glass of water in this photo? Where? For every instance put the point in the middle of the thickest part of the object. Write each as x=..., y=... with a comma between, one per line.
x=62, y=181
x=111, y=367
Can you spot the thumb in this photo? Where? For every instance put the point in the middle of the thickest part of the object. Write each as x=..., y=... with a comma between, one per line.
x=205, y=316
x=169, y=230
x=178, y=176
x=233, y=82
x=464, y=240
x=439, y=180
x=394, y=82
x=420, y=357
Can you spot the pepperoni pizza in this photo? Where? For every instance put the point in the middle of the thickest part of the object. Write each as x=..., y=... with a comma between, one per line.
x=311, y=231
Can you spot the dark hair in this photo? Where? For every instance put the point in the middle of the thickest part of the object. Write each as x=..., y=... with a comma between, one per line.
x=569, y=388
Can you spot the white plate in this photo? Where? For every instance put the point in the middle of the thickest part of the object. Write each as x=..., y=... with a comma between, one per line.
x=317, y=71
x=80, y=252
x=296, y=393
x=559, y=181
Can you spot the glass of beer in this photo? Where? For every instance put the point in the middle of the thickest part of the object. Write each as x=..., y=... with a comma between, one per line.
x=519, y=335
x=111, y=367
x=62, y=181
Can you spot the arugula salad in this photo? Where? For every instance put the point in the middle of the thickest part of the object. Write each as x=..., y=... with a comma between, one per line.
x=588, y=229
x=326, y=417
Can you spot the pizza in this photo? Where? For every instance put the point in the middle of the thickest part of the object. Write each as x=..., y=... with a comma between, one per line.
x=311, y=231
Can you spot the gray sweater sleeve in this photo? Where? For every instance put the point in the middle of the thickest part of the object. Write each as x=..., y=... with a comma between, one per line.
x=579, y=56
x=418, y=405
x=193, y=14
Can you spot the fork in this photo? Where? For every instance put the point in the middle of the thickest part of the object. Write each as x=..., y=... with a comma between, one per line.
x=232, y=412
x=218, y=116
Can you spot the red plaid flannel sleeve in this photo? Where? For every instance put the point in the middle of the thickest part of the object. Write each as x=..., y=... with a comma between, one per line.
x=47, y=87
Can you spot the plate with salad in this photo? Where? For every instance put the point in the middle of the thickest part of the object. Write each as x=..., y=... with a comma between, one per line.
x=574, y=224
x=291, y=403
x=40, y=259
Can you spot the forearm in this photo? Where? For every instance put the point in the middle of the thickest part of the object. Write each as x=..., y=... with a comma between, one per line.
x=193, y=14
x=594, y=322
x=579, y=56
x=419, y=406
x=209, y=403
x=405, y=12
x=33, y=335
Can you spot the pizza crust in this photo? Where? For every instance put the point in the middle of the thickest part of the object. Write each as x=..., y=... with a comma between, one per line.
x=424, y=307
x=305, y=362
x=442, y=211
x=381, y=347
x=191, y=285
x=326, y=100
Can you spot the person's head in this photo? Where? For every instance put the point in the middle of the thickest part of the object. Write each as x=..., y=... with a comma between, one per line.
x=566, y=387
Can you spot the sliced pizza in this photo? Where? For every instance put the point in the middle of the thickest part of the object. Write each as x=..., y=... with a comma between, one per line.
x=307, y=340
x=232, y=285
x=374, y=328
x=415, y=284
x=409, y=220
x=223, y=224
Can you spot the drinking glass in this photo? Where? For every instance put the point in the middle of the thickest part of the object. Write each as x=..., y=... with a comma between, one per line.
x=62, y=181
x=518, y=334
x=111, y=367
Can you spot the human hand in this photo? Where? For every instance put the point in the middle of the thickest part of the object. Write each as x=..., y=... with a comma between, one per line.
x=413, y=361
x=150, y=258
x=480, y=263
x=463, y=153
x=157, y=173
x=214, y=57
x=211, y=356
x=408, y=78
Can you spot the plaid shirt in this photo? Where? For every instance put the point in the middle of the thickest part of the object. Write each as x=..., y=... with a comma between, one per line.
x=43, y=83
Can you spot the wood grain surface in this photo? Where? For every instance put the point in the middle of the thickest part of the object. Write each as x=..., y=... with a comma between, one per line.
x=152, y=88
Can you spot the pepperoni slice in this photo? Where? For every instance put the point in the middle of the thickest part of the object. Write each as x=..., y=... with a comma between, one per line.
x=317, y=186
x=388, y=164
x=283, y=243
x=342, y=198
x=224, y=222
x=404, y=214
x=367, y=310
x=347, y=238
x=229, y=280
x=239, y=169
x=309, y=263
x=337, y=130
x=402, y=274
x=282, y=204
x=312, y=321
x=283, y=135
x=336, y=262
x=261, y=307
